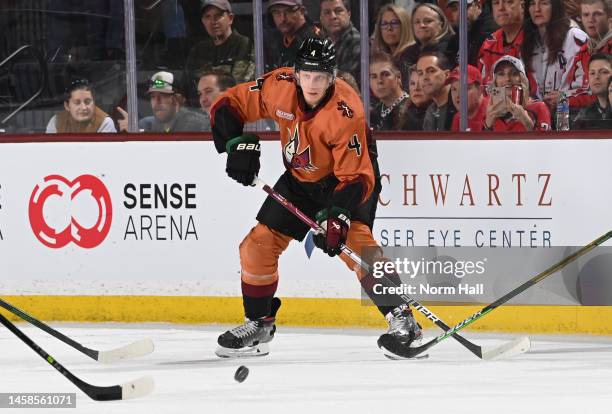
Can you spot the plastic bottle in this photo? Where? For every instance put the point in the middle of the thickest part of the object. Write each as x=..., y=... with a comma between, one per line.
x=563, y=113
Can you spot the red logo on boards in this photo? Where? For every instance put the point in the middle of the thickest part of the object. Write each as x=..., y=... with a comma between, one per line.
x=55, y=194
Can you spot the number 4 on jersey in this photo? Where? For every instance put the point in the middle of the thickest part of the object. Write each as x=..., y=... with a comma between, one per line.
x=354, y=144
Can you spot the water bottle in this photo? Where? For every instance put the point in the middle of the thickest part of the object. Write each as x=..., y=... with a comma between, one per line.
x=563, y=113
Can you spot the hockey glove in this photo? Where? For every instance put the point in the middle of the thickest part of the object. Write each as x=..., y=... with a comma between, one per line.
x=243, y=158
x=335, y=223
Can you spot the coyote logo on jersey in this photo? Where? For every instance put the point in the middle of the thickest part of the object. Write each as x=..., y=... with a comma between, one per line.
x=284, y=76
x=346, y=110
x=301, y=160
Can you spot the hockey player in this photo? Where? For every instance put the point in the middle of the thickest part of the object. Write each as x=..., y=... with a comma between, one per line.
x=331, y=175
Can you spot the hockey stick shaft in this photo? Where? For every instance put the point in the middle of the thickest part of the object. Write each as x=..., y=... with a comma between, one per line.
x=28, y=318
x=489, y=308
x=97, y=393
x=132, y=350
x=536, y=279
x=475, y=349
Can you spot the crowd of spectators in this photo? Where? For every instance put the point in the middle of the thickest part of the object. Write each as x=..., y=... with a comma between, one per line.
x=525, y=58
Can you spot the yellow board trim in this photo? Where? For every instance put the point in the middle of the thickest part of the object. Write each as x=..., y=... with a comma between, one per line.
x=314, y=312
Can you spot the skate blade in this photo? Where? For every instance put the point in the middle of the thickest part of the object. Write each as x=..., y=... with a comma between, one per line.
x=248, y=352
x=395, y=357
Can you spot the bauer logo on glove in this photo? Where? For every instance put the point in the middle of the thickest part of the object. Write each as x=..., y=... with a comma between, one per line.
x=243, y=158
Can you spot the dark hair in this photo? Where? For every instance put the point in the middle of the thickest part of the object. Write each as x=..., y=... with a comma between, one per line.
x=224, y=79
x=601, y=56
x=347, y=4
x=443, y=61
x=556, y=32
x=607, y=4
x=78, y=84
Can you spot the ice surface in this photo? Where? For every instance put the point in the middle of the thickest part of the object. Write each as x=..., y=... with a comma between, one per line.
x=317, y=371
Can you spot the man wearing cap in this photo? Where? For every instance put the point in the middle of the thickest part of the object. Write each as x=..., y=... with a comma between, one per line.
x=515, y=111
x=476, y=102
x=509, y=15
x=433, y=69
x=224, y=50
x=168, y=115
x=292, y=27
x=335, y=18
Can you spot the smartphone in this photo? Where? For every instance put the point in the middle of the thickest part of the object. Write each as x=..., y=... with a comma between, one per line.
x=497, y=94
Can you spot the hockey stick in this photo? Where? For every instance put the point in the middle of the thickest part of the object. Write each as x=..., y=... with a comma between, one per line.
x=411, y=352
x=514, y=347
x=133, y=389
x=133, y=350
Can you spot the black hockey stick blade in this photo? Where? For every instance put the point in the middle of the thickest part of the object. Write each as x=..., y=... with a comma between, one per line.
x=133, y=350
x=132, y=389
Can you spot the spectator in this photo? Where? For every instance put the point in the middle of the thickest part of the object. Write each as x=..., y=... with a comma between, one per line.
x=392, y=33
x=596, y=16
x=476, y=101
x=550, y=49
x=386, y=85
x=599, y=114
x=432, y=70
x=507, y=115
x=336, y=21
x=169, y=115
x=293, y=26
x=210, y=85
x=224, y=50
x=480, y=24
x=432, y=33
x=81, y=113
x=419, y=102
x=509, y=16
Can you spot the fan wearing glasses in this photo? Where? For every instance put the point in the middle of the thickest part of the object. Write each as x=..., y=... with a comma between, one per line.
x=292, y=28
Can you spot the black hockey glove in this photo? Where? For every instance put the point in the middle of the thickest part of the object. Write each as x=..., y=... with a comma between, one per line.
x=335, y=223
x=243, y=158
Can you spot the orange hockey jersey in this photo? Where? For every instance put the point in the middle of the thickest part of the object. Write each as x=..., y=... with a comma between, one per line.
x=332, y=138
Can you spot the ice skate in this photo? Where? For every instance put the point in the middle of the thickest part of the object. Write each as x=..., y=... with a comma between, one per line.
x=249, y=339
x=404, y=332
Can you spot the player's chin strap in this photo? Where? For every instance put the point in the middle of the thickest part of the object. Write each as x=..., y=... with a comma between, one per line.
x=514, y=347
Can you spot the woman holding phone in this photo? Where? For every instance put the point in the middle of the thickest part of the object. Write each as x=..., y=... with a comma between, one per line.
x=509, y=107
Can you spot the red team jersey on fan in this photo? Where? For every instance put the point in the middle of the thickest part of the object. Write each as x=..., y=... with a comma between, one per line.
x=538, y=111
x=495, y=47
x=330, y=139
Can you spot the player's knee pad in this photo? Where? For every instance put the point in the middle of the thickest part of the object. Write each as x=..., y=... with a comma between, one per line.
x=360, y=236
x=259, y=252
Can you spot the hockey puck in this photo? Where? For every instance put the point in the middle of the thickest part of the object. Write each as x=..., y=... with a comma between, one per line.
x=241, y=373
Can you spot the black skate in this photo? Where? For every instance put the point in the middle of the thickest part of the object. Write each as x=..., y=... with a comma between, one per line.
x=404, y=332
x=249, y=339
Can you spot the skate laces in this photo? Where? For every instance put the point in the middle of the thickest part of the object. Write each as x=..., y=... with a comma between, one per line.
x=245, y=330
x=401, y=321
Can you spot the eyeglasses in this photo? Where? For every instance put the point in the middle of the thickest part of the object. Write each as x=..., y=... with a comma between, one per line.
x=77, y=84
x=395, y=23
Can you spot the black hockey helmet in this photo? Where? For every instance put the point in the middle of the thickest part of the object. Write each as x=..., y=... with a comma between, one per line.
x=316, y=55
